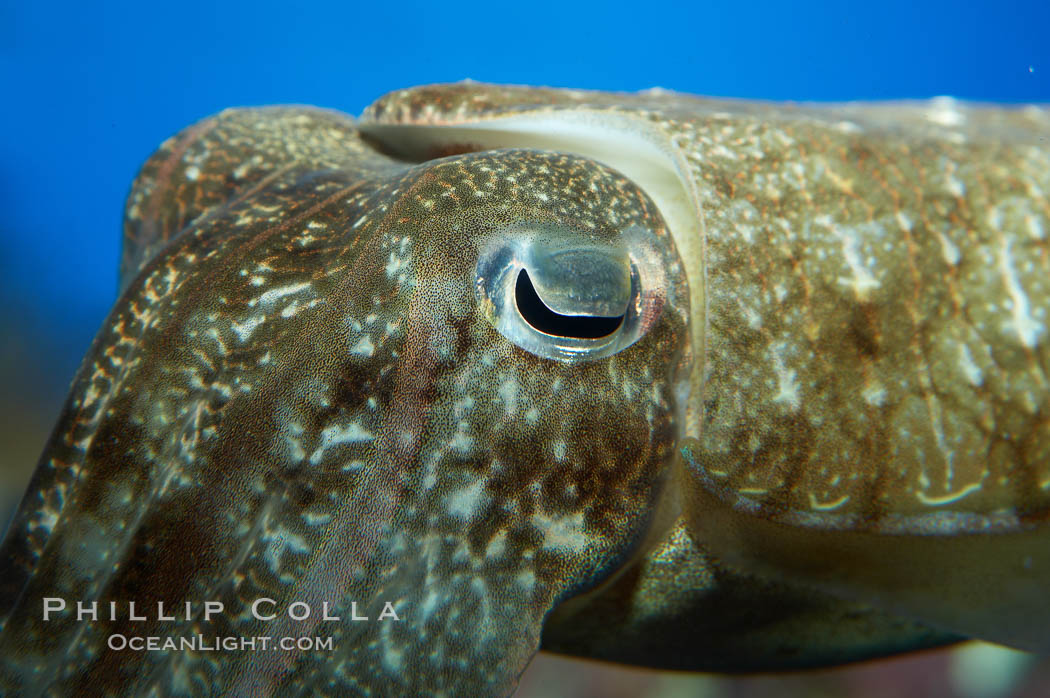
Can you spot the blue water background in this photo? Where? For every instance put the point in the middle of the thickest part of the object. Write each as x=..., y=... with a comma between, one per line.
x=91, y=89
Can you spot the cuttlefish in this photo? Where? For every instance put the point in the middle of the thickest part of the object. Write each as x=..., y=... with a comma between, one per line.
x=678, y=382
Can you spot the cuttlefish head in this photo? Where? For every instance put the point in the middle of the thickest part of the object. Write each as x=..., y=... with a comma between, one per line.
x=441, y=394
x=530, y=416
x=532, y=409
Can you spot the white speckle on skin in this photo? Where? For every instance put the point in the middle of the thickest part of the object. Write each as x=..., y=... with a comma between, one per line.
x=272, y=295
x=245, y=329
x=949, y=250
x=293, y=308
x=364, y=347
x=90, y=396
x=280, y=541
x=465, y=502
x=754, y=320
x=969, y=368
x=1027, y=328
x=904, y=221
x=192, y=173
x=526, y=578
x=1035, y=227
x=875, y=395
x=863, y=281
x=46, y=519
x=429, y=604
x=562, y=532
x=508, y=393
x=497, y=546
x=786, y=384
x=214, y=334
x=463, y=406
x=461, y=441
x=316, y=519
x=944, y=112
x=995, y=219
x=391, y=653
x=340, y=434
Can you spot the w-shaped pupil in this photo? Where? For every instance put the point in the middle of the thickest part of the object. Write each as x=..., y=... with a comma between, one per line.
x=537, y=314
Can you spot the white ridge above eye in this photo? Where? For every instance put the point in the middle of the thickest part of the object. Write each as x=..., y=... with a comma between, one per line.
x=560, y=297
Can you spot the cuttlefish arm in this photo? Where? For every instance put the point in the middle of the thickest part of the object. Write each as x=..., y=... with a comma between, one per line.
x=318, y=388
x=869, y=287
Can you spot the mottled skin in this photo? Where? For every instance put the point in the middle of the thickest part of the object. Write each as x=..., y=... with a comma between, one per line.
x=299, y=396
x=298, y=399
x=870, y=410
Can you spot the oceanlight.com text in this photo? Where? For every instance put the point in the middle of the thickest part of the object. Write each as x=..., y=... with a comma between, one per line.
x=199, y=643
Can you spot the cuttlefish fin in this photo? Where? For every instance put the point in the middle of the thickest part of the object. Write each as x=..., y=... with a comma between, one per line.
x=682, y=609
x=676, y=606
x=985, y=576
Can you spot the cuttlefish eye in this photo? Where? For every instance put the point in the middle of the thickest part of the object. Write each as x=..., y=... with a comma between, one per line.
x=540, y=315
x=559, y=296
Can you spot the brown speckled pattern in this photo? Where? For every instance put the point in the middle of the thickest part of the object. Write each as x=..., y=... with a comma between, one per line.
x=297, y=398
x=877, y=283
x=872, y=335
